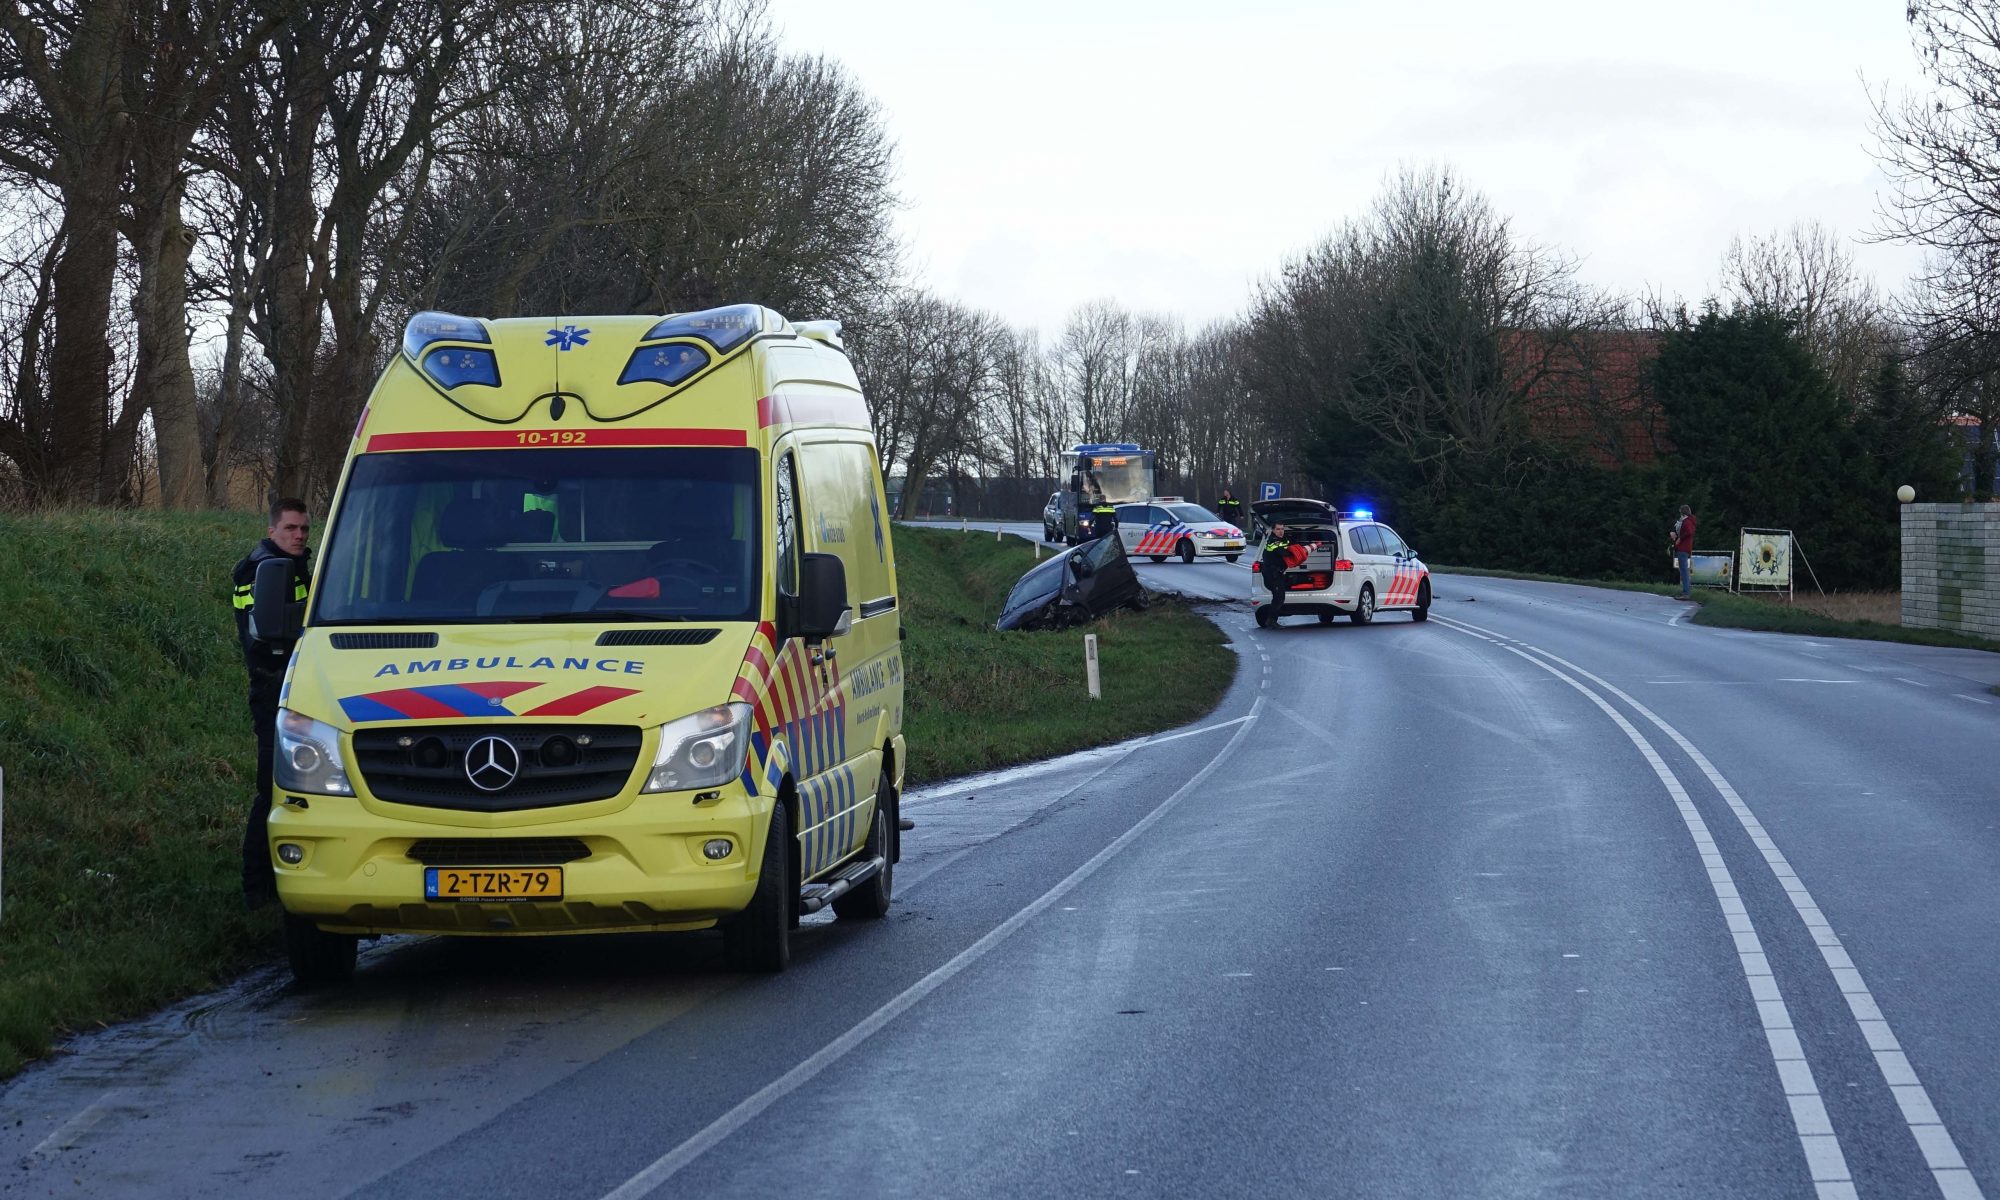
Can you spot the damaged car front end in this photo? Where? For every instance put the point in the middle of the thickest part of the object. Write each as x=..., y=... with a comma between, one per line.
x=1077, y=586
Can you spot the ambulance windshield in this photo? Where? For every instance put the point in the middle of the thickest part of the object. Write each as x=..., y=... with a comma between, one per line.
x=551, y=534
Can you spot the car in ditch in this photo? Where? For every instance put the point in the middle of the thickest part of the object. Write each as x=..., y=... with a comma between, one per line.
x=1078, y=585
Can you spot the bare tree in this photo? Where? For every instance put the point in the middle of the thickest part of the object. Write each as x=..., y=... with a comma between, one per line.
x=1409, y=320
x=64, y=120
x=1805, y=271
x=1941, y=151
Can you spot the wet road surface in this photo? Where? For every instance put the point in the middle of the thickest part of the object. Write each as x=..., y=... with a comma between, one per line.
x=1553, y=894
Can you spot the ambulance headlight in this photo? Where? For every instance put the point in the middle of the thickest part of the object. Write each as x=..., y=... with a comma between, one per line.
x=308, y=757
x=704, y=749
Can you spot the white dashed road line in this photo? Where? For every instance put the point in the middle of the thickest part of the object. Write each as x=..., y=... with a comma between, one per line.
x=1954, y=1180
x=1817, y=1140
x=670, y=1164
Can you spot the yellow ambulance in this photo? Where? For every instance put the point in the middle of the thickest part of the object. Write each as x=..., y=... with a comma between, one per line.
x=603, y=636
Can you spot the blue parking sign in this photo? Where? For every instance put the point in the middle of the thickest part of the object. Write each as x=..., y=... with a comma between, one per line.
x=1268, y=491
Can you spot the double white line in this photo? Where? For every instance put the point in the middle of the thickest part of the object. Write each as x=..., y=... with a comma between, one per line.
x=1809, y=1117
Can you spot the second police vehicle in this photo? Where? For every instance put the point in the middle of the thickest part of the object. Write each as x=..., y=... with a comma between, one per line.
x=1170, y=525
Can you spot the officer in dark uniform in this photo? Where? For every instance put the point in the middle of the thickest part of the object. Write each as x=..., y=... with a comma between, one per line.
x=1280, y=555
x=1103, y=518
x=1230, y=509
x=266, y=663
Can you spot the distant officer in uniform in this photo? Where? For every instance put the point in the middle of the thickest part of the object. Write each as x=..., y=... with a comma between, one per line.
x=266, y=662
x=1230, y=509
x=1103, y=516
x=1280, y=555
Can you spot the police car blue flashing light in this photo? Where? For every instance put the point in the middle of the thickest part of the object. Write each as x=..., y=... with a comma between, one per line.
x=1364, y=514
x=723, y=328
x=664, y=364
x=428, y=327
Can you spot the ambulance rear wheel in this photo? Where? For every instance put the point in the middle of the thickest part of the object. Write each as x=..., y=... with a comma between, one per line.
x=759, y=939
x=318, y=958
x=1157, y=557
x=1326, y=618
x=1364, y=608
x=1423, y=609
x=1186, y=550
x=1231, y=557
x=870, y=901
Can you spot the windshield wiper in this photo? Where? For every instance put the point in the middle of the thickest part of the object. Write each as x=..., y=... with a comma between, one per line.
x=601, y=615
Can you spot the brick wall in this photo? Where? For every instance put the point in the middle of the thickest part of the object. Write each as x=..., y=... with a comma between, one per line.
x=1951, y=567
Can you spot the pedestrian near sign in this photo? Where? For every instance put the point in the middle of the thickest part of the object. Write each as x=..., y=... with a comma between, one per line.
x=1268, y=491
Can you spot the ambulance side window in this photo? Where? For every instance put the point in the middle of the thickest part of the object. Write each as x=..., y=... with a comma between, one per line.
x=786, y=529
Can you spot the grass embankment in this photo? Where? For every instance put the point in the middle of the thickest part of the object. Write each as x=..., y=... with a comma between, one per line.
x=980, y=699
x=1830, y=616
x=129, y=763
x=129, y=758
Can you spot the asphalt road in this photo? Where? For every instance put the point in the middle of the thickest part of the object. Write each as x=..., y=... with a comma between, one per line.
x=1552, y=895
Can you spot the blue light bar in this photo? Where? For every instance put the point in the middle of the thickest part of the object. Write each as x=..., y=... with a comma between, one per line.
x=670, y=364
x=428, y=327
x=1364, y=514
x=453, y=367
x=1105, y=448
x=723, y=328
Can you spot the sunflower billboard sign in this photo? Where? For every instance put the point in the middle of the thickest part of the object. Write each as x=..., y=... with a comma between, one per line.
x=1764, y=559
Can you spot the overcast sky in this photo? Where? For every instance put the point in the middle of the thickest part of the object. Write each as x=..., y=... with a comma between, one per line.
x=1167, y=154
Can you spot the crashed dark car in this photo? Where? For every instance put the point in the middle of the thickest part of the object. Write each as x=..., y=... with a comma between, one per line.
x=1080, y=584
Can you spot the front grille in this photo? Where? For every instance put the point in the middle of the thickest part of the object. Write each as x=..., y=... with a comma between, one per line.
x=558, y=764
x=384, y=641
x=657, y=637
x=498, y=852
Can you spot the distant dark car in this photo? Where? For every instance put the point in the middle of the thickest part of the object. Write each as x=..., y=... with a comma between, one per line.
x=1080, y=584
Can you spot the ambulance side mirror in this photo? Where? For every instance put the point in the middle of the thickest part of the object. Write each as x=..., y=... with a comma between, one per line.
x=822, y=610
x=274, y=615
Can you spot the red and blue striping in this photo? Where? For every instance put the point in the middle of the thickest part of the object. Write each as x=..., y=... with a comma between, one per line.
x=483, y=699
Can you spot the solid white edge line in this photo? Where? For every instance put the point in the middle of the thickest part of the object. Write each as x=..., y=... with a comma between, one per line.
x=1825, y=1163
x=669, y=1164
x=1934, y=1141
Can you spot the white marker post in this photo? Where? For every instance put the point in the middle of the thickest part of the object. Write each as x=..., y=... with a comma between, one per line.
x=1090, y=665
x=996, y=531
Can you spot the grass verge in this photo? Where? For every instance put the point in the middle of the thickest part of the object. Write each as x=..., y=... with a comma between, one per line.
x=129, y=763
x=129, y=758
x=1734, y=611
x=980, y=699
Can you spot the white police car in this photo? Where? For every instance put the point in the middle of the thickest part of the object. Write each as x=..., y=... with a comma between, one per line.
x=1362, y=569
x=1170, y=525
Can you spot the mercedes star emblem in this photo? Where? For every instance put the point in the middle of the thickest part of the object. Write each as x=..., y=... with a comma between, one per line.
x=492, y=763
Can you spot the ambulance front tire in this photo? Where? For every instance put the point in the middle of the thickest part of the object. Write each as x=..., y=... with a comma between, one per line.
x=870, y=901
x=1364, y=608
x=1423, y=609
x=318, y=958
x=759, y=939
x=1185, y=550
x=1231, y=557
